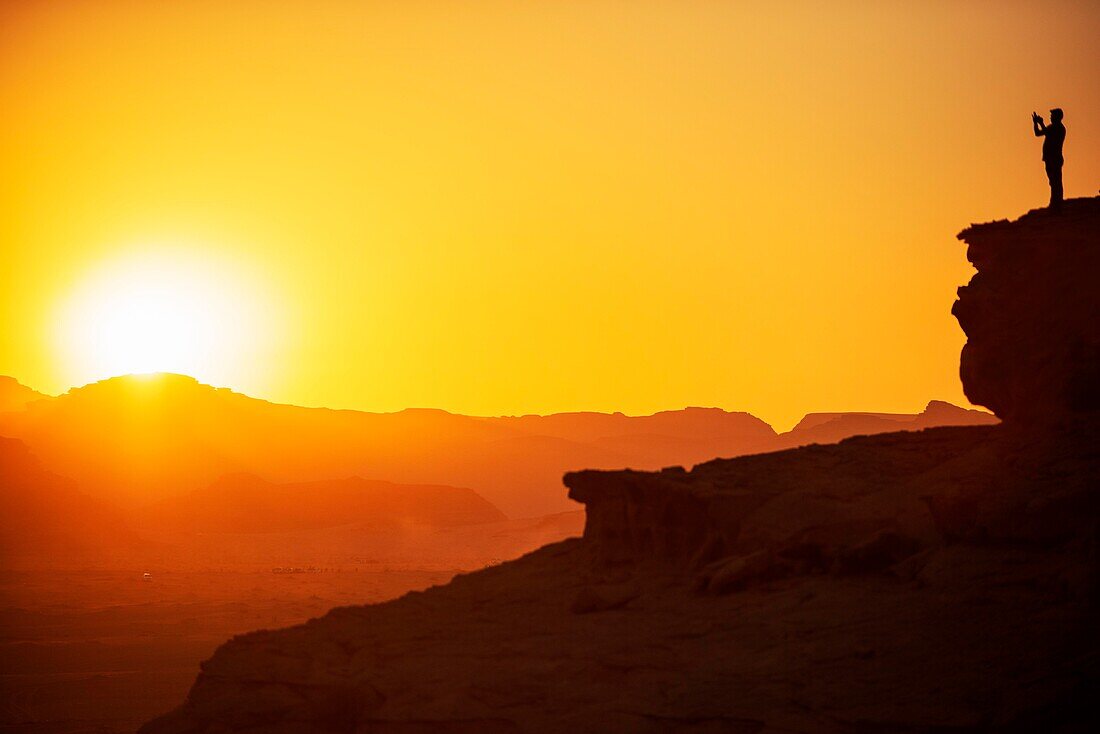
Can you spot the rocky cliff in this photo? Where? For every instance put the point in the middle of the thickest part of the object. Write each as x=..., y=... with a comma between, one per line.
x=934, y=581
x=1031, y=314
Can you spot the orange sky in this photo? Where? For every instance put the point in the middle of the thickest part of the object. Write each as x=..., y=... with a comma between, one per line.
x=500, y=208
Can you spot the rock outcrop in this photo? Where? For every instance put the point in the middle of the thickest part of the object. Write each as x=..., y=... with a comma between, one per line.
x=1031, y=314
x=942, y=580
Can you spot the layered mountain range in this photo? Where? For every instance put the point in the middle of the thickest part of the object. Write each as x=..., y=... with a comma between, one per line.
x=48, y=514
x=137, y=442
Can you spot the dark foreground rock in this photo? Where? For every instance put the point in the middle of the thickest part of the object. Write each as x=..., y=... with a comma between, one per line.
x=935, y=581
x=858, y=595
x=1032, y=314
x=851, y=592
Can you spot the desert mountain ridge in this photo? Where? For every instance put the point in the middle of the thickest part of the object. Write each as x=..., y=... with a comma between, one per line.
x=137, y=440
x=833, y=427
x=46, y=514
x=51, y=522
x=177, y=388
x=244, y=503
x=14, y=395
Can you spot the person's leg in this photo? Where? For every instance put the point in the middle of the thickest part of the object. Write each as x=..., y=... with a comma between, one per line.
x=1054, y=178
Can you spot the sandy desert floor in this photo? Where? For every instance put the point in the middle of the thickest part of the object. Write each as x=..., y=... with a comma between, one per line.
x=100, y=650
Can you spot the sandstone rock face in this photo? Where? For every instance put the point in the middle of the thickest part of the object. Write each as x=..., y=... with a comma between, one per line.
x=806, y=505
x=1031, y=314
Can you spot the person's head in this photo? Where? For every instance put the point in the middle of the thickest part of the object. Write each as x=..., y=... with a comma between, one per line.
x=1056, y=114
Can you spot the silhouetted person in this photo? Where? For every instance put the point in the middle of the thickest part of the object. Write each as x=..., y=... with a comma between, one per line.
x=1054, y=135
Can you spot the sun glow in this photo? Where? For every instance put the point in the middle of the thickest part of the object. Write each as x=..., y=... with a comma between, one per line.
x=523, y=207
x=164, y=312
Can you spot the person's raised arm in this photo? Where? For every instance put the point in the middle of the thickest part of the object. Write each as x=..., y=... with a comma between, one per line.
x=1038, y=126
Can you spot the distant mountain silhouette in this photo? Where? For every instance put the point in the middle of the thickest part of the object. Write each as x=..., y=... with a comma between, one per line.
x=685, y=436
x=243, y=503
x=833, y=427
x=137, y=440
x=45, y=516
x=16, y=396
x=140, y=439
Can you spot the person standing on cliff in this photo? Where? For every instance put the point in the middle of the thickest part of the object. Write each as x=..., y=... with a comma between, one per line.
x=1053, y=136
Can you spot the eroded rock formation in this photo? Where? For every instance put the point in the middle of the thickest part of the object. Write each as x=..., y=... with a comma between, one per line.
x=934, y=581
x=1032, y=314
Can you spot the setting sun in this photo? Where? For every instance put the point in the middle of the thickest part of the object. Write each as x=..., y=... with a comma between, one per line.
x=162, y=312
x=502, y=210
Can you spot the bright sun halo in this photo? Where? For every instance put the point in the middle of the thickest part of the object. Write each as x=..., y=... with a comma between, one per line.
x=162, y=312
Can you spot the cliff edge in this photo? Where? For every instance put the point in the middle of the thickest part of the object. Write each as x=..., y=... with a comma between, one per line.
x=1031, y=315
x=940, y=581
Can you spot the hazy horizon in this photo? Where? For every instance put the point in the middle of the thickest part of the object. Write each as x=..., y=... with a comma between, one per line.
x=779, y=428
x=502, y=210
